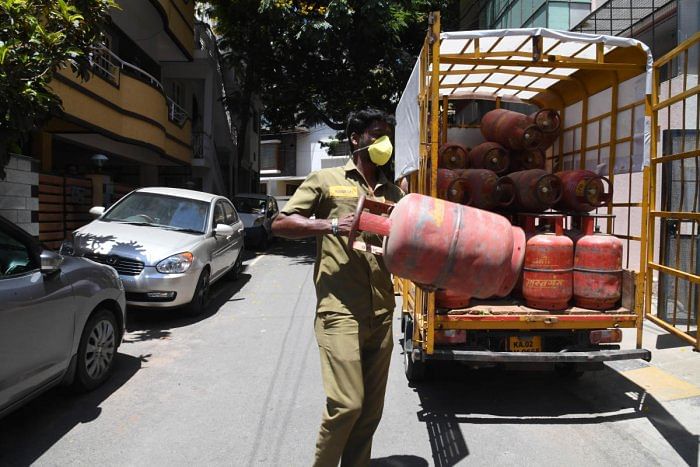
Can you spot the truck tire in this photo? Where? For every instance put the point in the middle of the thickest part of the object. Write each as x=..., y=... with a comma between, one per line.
x=414, y=370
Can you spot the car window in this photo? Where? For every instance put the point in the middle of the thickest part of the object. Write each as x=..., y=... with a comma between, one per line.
x=231, y=214
x=160, y=211
x=249, y=205
x=219, y=214
x=15, y=257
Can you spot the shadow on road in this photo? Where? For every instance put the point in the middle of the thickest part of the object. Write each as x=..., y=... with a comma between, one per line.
x=399, y=461
x=455, y=396
x=147, y=324
x=302, y=251
x=31, y=430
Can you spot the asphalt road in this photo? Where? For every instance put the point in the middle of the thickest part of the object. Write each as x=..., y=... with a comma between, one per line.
x=241, y=386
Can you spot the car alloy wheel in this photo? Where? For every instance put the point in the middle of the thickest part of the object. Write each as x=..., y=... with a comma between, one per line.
x=97, y=349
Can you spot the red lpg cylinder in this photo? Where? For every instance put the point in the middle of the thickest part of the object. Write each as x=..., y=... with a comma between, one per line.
x=486, y=190
x=583, y=191
x=451, y=299
x=598, y=271
x=549, y=122
x=453, y=156
x=511, y=129
x=527, y=159
x=491, y=156
x=450, y=186
x=548, y=271
x=535, y=190
x=441, y=244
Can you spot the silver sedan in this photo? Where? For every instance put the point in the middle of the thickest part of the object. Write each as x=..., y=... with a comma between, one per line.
x=61, y=319
x=167, y=244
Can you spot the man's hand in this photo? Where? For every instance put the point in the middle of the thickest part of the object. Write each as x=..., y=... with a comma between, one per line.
x=345, y=224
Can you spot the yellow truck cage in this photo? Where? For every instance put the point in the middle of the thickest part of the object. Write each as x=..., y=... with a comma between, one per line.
x=605, y=89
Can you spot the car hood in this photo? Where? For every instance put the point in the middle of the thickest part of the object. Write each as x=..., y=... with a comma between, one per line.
x=147, y=244
x=249, y=219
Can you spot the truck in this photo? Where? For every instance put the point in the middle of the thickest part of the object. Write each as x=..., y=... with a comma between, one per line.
x=618, y=117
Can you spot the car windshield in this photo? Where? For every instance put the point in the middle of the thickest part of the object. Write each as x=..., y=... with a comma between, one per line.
x=161, y=211
x=250, y=205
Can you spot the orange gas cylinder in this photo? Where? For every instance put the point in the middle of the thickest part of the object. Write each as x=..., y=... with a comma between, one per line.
x=548, y=271
x=598, y=271
x=444, y=245
x=583, y=191
x=453, y=156
x=491, y=156
x=451, y=186
x=511, y=129
x=535, y=190
x=485, y=190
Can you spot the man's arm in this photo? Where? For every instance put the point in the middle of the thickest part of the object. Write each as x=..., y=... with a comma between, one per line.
x=297, y=226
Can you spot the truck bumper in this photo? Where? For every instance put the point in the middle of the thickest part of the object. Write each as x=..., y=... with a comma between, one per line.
x=484, y=356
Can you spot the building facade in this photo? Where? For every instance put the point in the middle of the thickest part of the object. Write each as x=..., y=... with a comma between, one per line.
x=505, y=14
x=287, y=158
x=152, y=113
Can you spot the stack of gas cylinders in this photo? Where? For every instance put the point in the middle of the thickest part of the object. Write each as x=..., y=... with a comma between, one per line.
x=507, y=174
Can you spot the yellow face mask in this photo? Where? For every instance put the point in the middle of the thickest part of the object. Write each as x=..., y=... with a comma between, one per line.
x=379, y=151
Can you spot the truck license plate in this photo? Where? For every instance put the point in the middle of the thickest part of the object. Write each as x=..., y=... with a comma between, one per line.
x=525, y=344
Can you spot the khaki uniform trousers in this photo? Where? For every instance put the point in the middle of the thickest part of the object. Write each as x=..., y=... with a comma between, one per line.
x=355, y=354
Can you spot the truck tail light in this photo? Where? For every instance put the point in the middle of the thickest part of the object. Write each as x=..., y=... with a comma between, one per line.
x=606, y=336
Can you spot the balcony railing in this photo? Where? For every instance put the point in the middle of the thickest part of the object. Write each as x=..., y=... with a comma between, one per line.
x=109, y=66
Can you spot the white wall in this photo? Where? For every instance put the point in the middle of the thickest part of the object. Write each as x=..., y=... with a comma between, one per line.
x=310, y=155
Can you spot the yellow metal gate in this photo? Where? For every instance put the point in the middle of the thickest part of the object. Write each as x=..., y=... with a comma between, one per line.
x=672, y=184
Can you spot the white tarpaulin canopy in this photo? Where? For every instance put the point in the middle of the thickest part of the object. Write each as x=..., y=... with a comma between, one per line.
x=517, y=81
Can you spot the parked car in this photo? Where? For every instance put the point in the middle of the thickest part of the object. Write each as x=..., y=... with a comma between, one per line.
x=61, y=319
x=257, y=212
x=167, y=244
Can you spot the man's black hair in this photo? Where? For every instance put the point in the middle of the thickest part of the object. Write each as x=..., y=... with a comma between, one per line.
x=360, y=120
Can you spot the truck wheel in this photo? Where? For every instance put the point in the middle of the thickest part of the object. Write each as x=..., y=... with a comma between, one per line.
x=414, y=370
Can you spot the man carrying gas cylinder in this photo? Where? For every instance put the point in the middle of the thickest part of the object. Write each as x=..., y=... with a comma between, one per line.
x=355, y=298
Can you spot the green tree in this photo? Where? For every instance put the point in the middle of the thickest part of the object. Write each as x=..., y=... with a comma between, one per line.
x=314, y=61
x=36, y=38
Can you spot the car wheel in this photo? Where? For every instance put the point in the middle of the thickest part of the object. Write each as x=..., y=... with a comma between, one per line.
x=96, y=351
x=237, y=267
x=201, y=295
x=263, y=242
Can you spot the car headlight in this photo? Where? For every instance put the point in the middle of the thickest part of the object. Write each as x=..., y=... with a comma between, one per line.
x=66, y=248
x=174, y=264
x=258, y=221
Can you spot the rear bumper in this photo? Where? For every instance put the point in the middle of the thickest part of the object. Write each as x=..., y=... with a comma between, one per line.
x=484, y=356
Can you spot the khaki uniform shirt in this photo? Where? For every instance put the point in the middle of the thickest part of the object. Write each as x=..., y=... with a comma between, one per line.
x=347, y=280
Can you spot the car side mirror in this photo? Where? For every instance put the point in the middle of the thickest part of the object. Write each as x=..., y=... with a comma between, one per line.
x=97, y=211
x=223, y=230
x=50, y=262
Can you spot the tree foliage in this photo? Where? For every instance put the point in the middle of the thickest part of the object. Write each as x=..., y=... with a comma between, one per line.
x=37, y=37
x=314, y=61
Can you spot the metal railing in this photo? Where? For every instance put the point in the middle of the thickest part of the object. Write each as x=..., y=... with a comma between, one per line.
x=109, y=66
